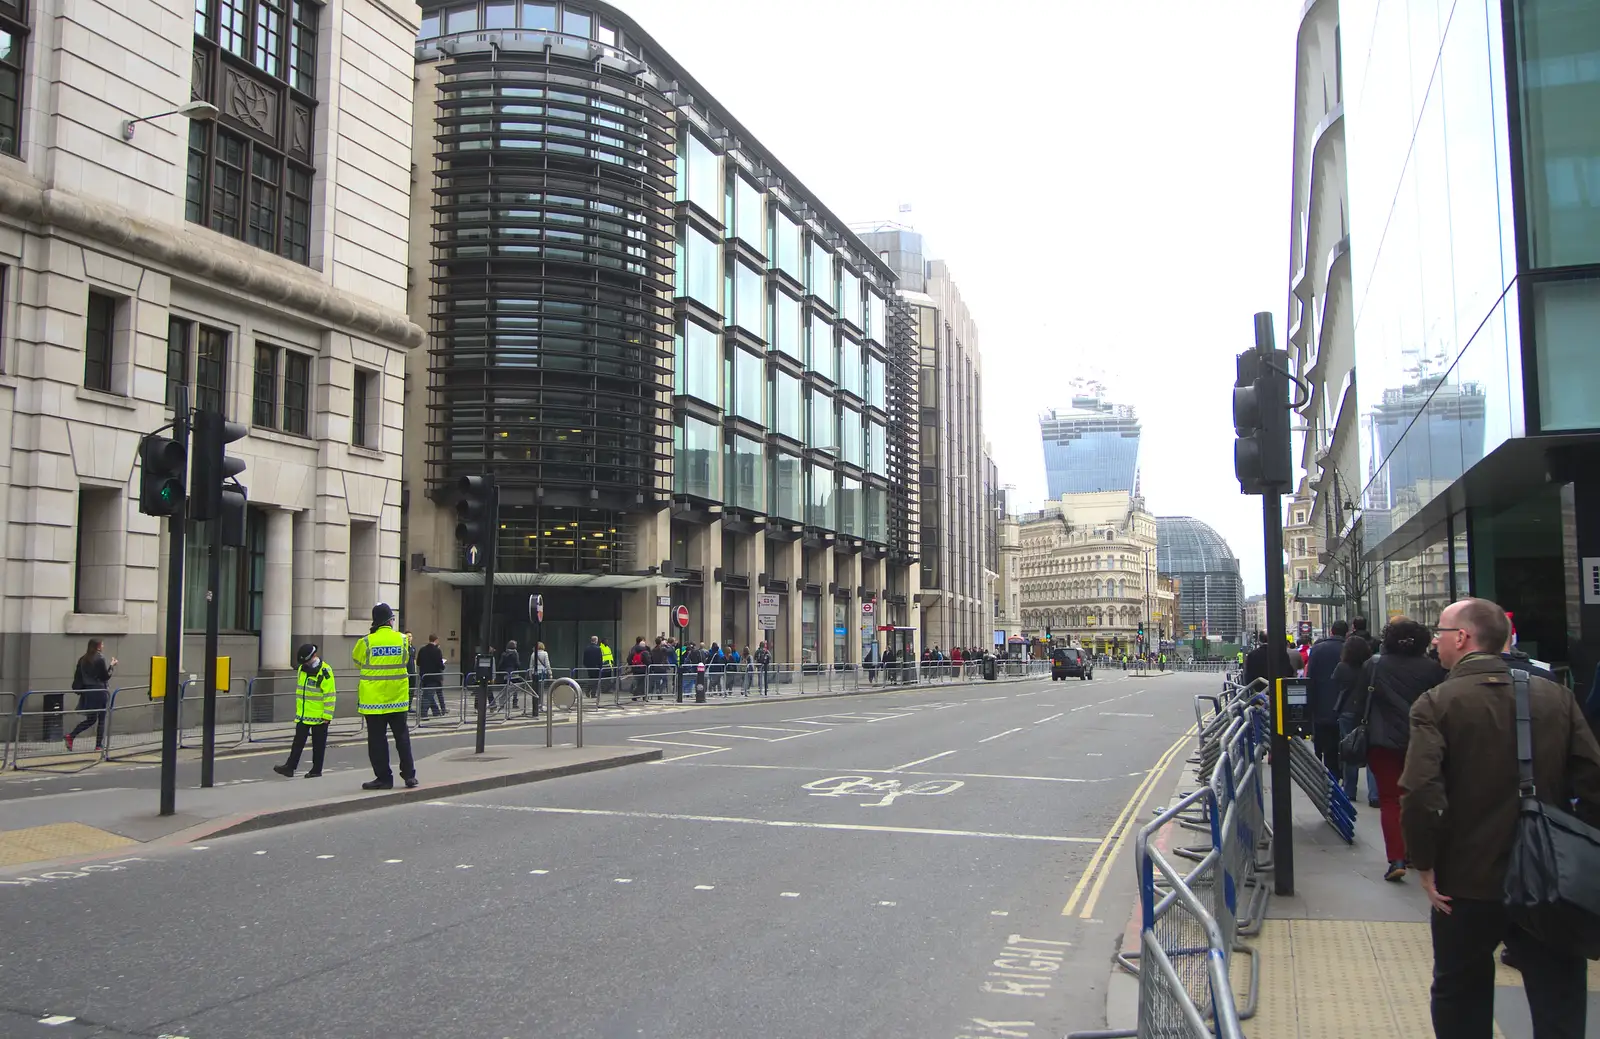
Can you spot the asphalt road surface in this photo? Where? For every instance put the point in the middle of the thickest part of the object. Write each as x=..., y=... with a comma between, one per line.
x=925, y=864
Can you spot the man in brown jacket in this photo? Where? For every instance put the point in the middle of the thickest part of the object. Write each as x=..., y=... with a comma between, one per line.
x=1458, y=808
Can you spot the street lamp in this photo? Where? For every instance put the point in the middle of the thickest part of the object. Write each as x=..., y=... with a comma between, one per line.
x=204, y=111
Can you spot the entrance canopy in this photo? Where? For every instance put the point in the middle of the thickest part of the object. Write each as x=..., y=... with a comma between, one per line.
x=591, y=582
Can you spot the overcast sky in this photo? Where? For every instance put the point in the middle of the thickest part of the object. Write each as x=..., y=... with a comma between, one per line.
x=1109, y=182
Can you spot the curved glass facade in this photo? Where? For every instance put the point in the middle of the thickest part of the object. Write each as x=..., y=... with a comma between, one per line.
x=553, y=271
x=1211, y=592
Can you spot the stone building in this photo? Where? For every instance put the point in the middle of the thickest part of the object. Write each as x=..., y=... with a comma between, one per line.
x=256, y=258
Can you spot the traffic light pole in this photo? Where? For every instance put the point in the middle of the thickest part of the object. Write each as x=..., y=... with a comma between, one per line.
x=208, y=736
x=1277, y=623
x=177, y=529
x=486, y=618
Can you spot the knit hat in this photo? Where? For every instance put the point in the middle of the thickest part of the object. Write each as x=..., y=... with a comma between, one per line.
x=305, y=653
x=382, y=613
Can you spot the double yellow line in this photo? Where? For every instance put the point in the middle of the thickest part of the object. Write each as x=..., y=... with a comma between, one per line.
x=1106, y=853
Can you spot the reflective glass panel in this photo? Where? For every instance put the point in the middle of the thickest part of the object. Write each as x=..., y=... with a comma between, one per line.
x=821, y=281
x=788, y=406
x=746, y=466
x=821, y=432
x=876, y=526
x=877, y=318
x=695, y=463
x=576, y=23
x=749, y=385
x=851, y=448
x=876, y=446
x=1558, y=43
x=824, y=353
x=820, y=498
x=1566, y=315
x=876, y=392
x=701, y=277
x=749, y=211
x=699, y=350
x=500, y=14
x=850, y=297
x=750, y=299
x=786, y=246
x=851, y=374
x=460, y=19
x=539, y=16
x=786, y=332
x=788, y=486
x=850, y=506
x=704, y=169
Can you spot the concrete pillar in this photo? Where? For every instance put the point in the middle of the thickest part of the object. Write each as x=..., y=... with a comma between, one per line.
x=791, y=565
x=652, y=540
x=849, y=577
x=277, y=593
x=825, y=578
x=755, y=554
x=705, y=552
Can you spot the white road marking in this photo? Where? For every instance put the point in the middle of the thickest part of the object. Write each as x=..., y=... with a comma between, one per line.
x=537, y=872
x=884, y=772
x=782, y=823
x=888, y=903
x=624, y=880
x=986, y=699
x=58, y=1019
x=997, y=735
x=199, y=847
x=464, y=865
x=1052, y=718
x=789, y=894
x=923, y=761
x=1094, y=754
x=1118, y=714
x=999, y=912
x=705, y=887
x=324, y=856
x=1085, y=707
x=260, y=853
x=391, y=862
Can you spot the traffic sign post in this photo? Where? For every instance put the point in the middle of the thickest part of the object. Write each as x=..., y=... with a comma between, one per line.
x=680, y=616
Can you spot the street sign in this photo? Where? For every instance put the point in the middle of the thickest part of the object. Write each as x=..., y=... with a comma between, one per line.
x=472, y=557
x=536, y=609
x=767, y=612
x=866, y=607
x=681, y=616
x=663, y=600
x=841, y=631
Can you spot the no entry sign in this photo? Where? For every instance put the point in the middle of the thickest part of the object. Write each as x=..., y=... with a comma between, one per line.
x=681, y=616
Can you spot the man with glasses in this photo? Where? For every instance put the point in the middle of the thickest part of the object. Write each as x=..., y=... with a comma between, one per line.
x=1459, y=808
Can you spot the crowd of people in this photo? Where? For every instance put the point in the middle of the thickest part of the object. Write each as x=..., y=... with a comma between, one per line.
x=1436, y=714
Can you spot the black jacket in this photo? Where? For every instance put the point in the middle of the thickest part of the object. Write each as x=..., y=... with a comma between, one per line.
x=1396, y=681
x=1521, y=662
x=510, y=661
x=430, y=660
x=593, y=659
x=1255, y=663
x=1324, y=692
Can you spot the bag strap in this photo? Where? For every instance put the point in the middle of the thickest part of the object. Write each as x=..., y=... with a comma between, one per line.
x=1371, y=669
x=1519, y=680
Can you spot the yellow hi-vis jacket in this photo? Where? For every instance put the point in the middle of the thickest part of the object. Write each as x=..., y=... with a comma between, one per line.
x=384, y=688
x=315, y=697
x=607, y=658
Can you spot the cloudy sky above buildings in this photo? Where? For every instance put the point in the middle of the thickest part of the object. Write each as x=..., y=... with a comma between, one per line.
x=1109, y=183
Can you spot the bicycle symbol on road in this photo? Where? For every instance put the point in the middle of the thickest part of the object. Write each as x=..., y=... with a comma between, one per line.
x=886, y=789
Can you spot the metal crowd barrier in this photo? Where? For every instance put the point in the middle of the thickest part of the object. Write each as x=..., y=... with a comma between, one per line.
x=38, y=728
x=8, y=710
x=1325, y=789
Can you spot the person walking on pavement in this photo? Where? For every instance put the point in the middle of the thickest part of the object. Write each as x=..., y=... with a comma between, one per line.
x=1387, y=687
x=1255, y=663
x=1357, y=651
x=314, y=701
x=594, y=661
x=92, y=681
x=763, y=659
x=608, y=667
x=411, y=667
x=1459, y=806
x=382, y=698
x=510, y=663
x=638, y=668
x=430, y=666
x=1323, y=696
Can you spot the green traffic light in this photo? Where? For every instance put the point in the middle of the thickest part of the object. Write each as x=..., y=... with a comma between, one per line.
x=166, y=494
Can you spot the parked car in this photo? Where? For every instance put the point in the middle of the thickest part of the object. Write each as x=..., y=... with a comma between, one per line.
x=1068, y=662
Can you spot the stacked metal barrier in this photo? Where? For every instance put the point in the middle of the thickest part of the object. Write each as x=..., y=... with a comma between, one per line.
x=1325, y=790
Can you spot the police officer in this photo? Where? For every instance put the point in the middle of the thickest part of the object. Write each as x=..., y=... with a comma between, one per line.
x=608, y=666
x=313, y=710
x=384, y=697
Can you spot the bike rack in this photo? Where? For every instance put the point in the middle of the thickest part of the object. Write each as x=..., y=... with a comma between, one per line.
x=550, y=714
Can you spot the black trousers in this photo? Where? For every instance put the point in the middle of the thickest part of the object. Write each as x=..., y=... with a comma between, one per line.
x=1463, y=975
x=319, y=744
x=96, y=720
x=1325, y=739
x=378, y=728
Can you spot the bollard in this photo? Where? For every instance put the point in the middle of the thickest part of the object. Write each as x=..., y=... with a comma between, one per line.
x=550, y=714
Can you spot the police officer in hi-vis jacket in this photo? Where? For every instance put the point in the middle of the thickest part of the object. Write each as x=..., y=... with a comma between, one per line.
x=313, y=709
x=384, y=697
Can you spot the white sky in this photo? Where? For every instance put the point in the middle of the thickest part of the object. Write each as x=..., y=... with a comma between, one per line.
x=1109, y=182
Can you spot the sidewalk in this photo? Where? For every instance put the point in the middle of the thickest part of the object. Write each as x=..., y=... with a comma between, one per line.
x=63, y=826
x=1348, y=954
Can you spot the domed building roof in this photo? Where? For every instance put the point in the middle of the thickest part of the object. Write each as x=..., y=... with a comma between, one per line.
x=1187, y=545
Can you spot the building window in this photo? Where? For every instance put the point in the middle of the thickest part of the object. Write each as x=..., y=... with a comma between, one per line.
x=363, y=583
x=97, y=566
x=821, y=283
x=1556, y=44
x=99, y=341
x=180, y=333
x=785, y=250
x=750, y=300
x=282, y=389
x=1300, y=546
x=877, y=392
x=697, y=451
x=211, y=370
x=850, y=298
x=700, y=181
x=788, y=405
x=787, y=336
x=13, y=45
x=699, y=365
x=243, y=573
x=819, y=497
x=698, y=264
x=788, y=492
x=749, y=386
x=237, y=183
x=749, y=212
x=745, y=476
x=824, y=353
x=821, y=432
x=364, y=408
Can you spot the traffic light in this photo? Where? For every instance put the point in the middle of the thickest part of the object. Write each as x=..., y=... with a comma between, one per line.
x=164, y=465
x=213, y=469
x=475, y=519
x=1261, y=456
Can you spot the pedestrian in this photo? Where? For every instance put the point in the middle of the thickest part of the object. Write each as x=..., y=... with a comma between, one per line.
x=731, y=669
x=92, y=681
x=1459, y=807
x=1323, y=696
x=382, y=698
x=1255, y=662
x=430, y=666
x=314, y=701
x=661, y=663
x=593, y=664
x=639, y=668
x=411, y=667
x=1357, y=651
x=763, y=659
x=1384, y=692
x=608, y=668
x=509, y=665
x=542, y=673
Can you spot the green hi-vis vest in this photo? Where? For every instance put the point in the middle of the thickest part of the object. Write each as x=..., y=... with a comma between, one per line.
x=384, y=688
x=314, y=699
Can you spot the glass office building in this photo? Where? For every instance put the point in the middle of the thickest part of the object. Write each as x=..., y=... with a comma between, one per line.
x=681, y=368
x=1210, y=590
x=1475, y=237
x=1091, y=446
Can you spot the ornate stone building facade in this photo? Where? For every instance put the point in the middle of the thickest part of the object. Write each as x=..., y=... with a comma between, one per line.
x=257, y=259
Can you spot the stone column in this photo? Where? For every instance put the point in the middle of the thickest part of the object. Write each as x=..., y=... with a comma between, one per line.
x=791, y=564
x=825, y=608
x=277, y=593
x=705, y=552
x=849, y=576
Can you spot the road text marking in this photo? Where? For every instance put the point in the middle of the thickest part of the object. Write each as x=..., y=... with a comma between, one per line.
x=866, y=786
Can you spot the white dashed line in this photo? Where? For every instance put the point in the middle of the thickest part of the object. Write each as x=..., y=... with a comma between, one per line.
x=537, y=872
x=260, y=853
x=624, y=880
x=997, y=735
x=705, y=887
x=200, y=847
x=58, y=1019
x=888, y=903
x=923, y=761
x=324, y=856
x=1052, y=718
x=790, y=894
x=998, y=912
x=391, y=862
x=464, y=865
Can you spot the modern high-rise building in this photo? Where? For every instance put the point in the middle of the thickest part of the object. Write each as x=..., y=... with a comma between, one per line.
x=252, y=261
x=1211, y=592
x=1092, y=446
x=1475, y=252
x=690, y=380
x=957, y=483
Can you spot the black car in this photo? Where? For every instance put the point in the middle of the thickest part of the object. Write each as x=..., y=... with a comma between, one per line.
x=1070, y=663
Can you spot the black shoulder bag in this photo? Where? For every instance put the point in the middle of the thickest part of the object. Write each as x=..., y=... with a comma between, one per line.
x=1353, y=748
x=1552, y=885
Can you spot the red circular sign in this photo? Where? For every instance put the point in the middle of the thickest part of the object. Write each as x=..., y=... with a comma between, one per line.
x=681, y=615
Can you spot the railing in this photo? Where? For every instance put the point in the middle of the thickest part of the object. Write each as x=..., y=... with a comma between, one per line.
x=38, y=727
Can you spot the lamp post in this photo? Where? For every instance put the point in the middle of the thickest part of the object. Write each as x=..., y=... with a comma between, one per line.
x=201, y=110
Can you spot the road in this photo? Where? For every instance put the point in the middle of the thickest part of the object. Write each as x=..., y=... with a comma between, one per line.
x=919, y=864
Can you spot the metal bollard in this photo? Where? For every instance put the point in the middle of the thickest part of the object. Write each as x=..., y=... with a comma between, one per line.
x=550, y=714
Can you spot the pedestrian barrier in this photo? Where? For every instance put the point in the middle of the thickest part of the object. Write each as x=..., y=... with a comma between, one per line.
x=1325, y=790
x=8, y=712
x=39, y=728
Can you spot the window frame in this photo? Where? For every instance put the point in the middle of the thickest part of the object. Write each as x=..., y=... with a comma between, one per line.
x=366, y=408
x=276, y=402
x=14, y=22
x=100, y=357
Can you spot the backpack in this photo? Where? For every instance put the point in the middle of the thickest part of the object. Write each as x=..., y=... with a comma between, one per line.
x=639, y=658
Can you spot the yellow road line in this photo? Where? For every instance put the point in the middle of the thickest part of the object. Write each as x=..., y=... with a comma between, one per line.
x=1138, y=811
x=1119, y=827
